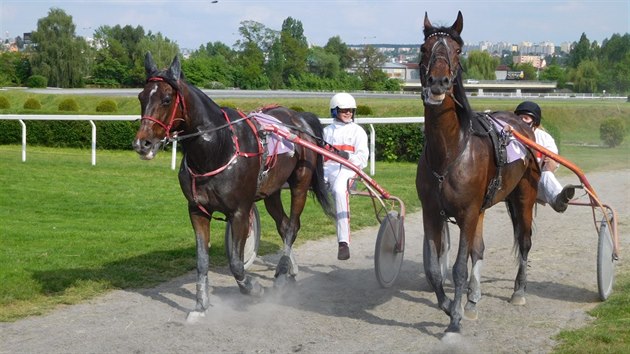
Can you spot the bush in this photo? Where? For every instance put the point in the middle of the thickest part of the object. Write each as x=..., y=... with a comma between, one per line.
x=32, y=103
x=612, y=131
x=363, y=110
x=68, y=105
x=4, y=103
x=399, y=142
x=37, y=81
x=107, y=106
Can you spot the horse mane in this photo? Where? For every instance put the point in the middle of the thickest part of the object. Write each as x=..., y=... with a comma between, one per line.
x=464, y=111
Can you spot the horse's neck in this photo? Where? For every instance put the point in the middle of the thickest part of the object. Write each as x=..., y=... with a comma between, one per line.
x=204, y=116
x=444, y=134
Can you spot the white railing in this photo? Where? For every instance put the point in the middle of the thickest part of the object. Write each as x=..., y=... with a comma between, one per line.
x=91, y=118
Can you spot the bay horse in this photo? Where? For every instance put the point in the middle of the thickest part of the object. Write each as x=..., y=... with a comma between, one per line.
x=226, y=167
x=463, y=171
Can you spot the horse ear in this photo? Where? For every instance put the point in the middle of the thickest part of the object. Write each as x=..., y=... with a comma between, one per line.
x=175, y=70
x=149, y=65
x=427, y=23
x=458, y=26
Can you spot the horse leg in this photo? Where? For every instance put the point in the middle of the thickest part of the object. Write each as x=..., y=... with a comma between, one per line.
x=287, y=266
x=240, y=229
x=201, y=226
x=522, y=217
x=432, y=252
x=474, y=284
x=460, y=271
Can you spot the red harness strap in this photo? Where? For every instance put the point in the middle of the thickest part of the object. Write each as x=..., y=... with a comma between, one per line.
x=237, y=153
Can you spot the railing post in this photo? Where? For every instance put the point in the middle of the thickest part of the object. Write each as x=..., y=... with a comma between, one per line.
x=93, y=142
x=23, y=140
x=174, y=156
x=372, y=150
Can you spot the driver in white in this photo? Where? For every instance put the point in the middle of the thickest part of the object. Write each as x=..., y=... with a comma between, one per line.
x=351, y=141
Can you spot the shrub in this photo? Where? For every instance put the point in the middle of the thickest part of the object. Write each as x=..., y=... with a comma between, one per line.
x=37, y=81
x=399, y=142
x=612, y=131
x=227, y=104
x=32, y=103
x=4, y=103
x=364, y=110
x=68, y=105
x=107, y=106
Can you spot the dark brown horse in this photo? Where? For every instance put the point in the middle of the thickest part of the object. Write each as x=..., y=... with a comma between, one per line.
x=463, y=171
x=227, y=166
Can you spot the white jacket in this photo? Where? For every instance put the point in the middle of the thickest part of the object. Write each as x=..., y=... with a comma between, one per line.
x=349, y=137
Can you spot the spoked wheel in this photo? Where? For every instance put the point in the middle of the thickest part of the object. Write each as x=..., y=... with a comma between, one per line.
x=605, y=260
x=253, y=238
x=389, y=249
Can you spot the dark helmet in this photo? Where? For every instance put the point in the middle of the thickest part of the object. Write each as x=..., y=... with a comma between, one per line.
x=530, y=108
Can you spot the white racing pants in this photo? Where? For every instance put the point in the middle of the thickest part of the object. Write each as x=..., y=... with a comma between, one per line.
x=548, y=187
x=337, y=178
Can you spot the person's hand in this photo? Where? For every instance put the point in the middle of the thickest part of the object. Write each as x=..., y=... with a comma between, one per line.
x=343, y=154
x=549, y=164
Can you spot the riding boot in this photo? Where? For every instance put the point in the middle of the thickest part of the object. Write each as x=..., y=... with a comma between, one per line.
x=561, y=202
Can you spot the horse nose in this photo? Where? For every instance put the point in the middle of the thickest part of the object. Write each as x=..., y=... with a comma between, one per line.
x=141, y=145
x=442, y=82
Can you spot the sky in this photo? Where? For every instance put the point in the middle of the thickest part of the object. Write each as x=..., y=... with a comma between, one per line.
x=192, y=23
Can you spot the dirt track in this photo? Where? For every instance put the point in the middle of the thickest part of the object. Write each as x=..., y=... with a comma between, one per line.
x=339, y=307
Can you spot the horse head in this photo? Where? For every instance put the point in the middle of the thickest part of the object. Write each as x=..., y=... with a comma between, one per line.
x=439, y=59
x=162, y=107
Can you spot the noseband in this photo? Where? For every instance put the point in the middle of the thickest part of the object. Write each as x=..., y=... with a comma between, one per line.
x=169, y=125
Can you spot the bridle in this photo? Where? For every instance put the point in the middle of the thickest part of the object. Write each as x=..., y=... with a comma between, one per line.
x=179, y=101
x=426, y=69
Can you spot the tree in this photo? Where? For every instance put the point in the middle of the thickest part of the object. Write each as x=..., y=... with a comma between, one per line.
x=581, y=51
x=294, y=48
x=480, y=65
x=58, y=52
x=257, y=33
x=554, y=73
x=249, y=72
x=323, y=63
x=369, y=68
x=341, y=50
x=586, y=76
x=275, y=66
x=529, y=71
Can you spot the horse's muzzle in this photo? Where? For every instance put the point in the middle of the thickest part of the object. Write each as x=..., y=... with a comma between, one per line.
x=145, y=148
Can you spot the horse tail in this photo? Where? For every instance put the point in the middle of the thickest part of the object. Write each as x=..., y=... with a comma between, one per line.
x=318, y=184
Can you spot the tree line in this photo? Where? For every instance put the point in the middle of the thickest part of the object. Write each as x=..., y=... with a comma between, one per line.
x=263, y=58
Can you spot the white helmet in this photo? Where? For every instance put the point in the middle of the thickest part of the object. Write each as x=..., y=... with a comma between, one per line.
x=342, y=100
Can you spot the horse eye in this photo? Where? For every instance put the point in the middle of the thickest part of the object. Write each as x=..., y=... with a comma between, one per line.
x=166, y=101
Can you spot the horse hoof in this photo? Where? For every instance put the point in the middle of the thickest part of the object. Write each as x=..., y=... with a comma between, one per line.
x=282, y=280
x=518, y=300
x=195, y=316
x=451, y=338
x=250, y=286
x=471, y=314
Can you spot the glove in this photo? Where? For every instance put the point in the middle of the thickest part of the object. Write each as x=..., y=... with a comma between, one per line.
x=343, y=154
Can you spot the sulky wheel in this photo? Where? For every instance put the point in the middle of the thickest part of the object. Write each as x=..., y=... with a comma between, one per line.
x=605, y=260
x=389, y=249
x=253, y=238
